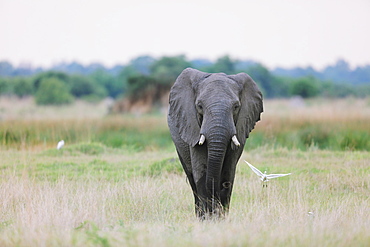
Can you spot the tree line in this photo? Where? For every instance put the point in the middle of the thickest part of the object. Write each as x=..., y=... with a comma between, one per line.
x=146, y=76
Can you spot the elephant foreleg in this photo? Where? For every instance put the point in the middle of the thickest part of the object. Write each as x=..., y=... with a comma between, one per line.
x=201, y=198
x=225, y=195
x=228, y=175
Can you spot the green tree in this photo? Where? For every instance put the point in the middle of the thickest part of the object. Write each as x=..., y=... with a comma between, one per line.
x=223, y=65
x=112, y=85
x=141, y=85
x=6, y=86
x=262, y=76
x=65, y=78
x=142, y=64
x=306, y=87
x=280, y=87
x=126, y=73
x=363, y=91
x=166, y=69
x=53, y=91
x=84, y=86
x=22, y=86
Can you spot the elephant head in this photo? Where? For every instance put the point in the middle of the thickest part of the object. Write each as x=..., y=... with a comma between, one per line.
x=210, y=117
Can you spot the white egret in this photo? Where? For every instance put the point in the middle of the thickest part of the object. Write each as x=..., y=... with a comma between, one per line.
x=263, y=176
x=60, y=144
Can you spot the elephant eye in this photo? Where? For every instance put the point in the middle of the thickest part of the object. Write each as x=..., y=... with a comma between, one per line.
x=236, y=106
x=200, y=108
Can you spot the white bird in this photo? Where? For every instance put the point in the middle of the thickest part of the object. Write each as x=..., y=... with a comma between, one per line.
x=60, y=144
x=310, y=214
x=263, y=176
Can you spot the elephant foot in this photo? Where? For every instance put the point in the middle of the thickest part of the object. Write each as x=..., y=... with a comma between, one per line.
x=218, y=213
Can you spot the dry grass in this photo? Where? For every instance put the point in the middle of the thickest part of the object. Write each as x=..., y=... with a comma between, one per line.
x=317, y=110
x=141, y=210
x=13, y=108
x=93, y=195
x=284, y=114
x=327, y=124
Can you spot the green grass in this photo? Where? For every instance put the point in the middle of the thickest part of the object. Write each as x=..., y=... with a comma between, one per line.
x=119, y=198
x=328, y=125
x=123, y=133
x=118, y=182
x=127, y=132
x=90, y=161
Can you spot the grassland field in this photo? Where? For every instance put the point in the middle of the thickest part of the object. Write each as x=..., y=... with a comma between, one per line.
x=118, y=182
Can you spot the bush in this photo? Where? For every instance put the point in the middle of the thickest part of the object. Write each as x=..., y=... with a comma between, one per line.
x=139, y=85
x=166, y=69
x=5, y=86
x=52, y=91
x=110, y=83
x=305, y=87
x=65, y=78
x=22, y=87
x=83, y=86
x=223, y=64
x=363, y=90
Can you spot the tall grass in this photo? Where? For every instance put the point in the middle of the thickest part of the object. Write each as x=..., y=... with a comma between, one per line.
x=325, y=124
x=118, y=182
x=139, y=208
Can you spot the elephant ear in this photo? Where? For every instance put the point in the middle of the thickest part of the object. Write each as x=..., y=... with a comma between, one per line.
x=251, y=106
x=182, y=109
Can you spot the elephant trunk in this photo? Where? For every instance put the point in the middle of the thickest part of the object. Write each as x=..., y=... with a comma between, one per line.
x=218, y=138
x=216, y=154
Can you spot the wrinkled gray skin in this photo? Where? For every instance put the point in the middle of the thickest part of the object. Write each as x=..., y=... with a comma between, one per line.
x=217, y=106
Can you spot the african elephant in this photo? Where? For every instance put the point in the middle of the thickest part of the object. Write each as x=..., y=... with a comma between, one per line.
x=210, y=116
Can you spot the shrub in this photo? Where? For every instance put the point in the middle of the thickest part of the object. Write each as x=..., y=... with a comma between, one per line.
x=5, y=86
x=65, y=78
x=22, y=87
x=112, y=85
x=140, y=85
x=306, y=87
x=52, y=91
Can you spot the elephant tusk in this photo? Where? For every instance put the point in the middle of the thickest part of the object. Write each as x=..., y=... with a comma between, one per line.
x=235, y=141
x=202, y=139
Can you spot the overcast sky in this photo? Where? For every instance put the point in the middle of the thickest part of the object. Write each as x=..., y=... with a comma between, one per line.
x=282, y=33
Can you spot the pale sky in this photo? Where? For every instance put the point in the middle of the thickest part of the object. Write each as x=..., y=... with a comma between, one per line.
x=282, y=33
